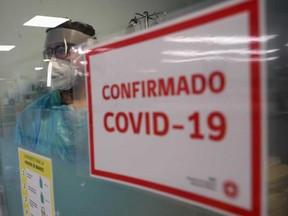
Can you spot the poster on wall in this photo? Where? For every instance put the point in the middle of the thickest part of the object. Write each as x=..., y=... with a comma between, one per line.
x=36, y=184
x=178, y=109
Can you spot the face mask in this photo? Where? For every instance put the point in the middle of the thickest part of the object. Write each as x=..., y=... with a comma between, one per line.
x=62, y=74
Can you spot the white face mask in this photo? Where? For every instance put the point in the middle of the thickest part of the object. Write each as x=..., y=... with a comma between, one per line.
x=62, y=74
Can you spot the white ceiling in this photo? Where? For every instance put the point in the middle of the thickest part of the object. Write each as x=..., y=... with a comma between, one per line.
x=109, y=17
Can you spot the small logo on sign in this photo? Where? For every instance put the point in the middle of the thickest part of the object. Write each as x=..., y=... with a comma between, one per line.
x=209, y=183
x=231, y=189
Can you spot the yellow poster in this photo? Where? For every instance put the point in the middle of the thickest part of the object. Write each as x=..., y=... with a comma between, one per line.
x=36, y=184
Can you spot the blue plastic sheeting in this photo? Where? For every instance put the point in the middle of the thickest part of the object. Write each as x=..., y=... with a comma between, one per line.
x=50, y=128
x=61, y=133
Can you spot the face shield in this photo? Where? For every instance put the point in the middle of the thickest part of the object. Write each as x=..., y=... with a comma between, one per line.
x=78, y=56
x=64, y=35
x=79, y=62
x=66, y=62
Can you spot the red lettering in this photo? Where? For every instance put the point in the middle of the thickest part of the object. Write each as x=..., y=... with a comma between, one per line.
x=166, y=89
x=103, y=92
x=106, y=116
x=151, y=88
x=125, y=90
x=147, y=123
x=136, y=125
x=115, y=91
x=143, y=89
x=195, y=118
x=135, y=87
x=198, y=83
x=212, y=82
x=215, y=82
x=182, y=85
x=124, y=127
x=217, y=123
x=156, y=117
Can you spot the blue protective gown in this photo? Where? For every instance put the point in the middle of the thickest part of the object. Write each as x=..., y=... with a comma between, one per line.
x=51, y=128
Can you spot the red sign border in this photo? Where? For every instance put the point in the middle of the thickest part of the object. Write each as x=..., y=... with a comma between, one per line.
x=256, y=148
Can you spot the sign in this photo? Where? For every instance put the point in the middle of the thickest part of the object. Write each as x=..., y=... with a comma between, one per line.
x=36, y=184
x=177, y=110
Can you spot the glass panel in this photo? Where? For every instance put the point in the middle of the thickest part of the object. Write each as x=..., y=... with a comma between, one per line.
x=23, y=80
x=35, y=123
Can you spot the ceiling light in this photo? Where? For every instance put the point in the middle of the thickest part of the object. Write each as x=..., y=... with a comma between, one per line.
x=38, y=68
x=45, y=21
x=6, y=47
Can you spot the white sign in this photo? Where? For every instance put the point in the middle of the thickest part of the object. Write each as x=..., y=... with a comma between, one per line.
x=178, y=110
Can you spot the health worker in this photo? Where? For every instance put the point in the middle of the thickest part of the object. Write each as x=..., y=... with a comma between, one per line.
x=54, y=123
